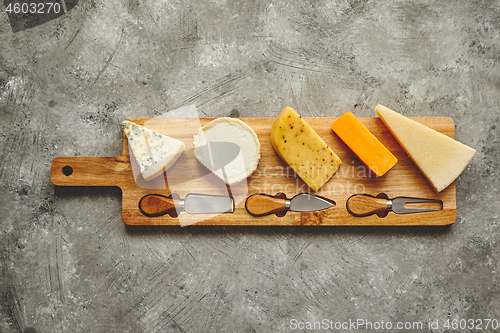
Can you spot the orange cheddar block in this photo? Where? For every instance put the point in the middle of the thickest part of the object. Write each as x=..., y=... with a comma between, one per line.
x=364, y=144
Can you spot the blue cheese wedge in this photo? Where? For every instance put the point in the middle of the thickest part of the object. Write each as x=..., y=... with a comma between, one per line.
x=155, y=153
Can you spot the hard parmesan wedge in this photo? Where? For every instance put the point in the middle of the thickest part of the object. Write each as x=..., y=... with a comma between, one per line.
x=440, y=158
x=155, y=153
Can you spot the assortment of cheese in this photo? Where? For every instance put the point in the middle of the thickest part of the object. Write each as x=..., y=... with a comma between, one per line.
x=227, y=139
x=231, y=150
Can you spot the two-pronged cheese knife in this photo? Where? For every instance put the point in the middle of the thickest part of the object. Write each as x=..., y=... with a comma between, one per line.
x=361, y=205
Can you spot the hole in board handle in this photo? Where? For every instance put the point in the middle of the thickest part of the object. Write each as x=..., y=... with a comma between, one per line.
x=67, y=170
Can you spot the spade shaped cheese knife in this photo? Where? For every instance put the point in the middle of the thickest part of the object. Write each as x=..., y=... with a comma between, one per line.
x=260, y=204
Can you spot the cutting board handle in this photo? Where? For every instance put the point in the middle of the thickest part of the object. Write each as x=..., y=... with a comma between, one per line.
x=91, y=171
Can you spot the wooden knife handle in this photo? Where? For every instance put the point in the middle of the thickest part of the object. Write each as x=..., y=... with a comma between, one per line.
x=260, y=204
x=153, y=205
x=360, y=205
x=91, y=171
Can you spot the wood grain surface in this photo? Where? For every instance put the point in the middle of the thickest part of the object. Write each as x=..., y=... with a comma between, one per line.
x=272, y=176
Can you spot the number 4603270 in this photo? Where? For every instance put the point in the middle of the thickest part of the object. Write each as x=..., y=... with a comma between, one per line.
x=33, y=8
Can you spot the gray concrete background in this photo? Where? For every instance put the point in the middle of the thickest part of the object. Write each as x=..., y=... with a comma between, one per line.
x=69, y=264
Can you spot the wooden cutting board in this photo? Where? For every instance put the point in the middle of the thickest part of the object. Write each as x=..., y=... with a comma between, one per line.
x=272, y=176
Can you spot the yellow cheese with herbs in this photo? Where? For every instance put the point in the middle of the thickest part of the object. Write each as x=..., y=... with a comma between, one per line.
x=303, y=149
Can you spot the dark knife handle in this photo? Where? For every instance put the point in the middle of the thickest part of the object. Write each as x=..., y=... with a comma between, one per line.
x=153, y=205
x=260, y=204
x=361, y=205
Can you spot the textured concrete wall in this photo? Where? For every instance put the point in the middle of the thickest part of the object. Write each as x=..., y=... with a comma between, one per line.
x=69, y=264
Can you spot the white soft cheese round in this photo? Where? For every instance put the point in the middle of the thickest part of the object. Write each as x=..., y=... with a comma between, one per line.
x=242, y=155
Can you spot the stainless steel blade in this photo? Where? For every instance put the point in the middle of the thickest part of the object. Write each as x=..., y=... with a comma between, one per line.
x=306, y=202
x=398, y=205
x=208, y=204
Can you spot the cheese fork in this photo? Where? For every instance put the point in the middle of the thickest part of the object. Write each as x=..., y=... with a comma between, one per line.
x=361, y=205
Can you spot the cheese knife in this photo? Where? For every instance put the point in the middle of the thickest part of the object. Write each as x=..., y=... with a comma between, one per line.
x=261, y=204
x=153, y=205
x=361, y=205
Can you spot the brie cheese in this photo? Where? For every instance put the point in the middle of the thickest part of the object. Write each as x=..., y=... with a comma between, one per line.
x=155, y=153
x=210, y=151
